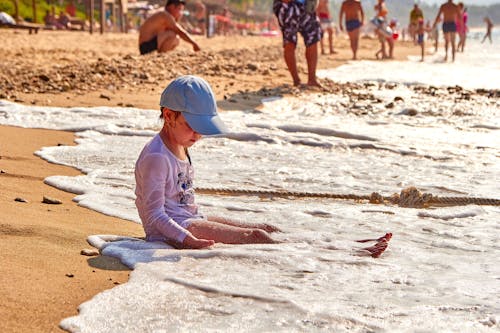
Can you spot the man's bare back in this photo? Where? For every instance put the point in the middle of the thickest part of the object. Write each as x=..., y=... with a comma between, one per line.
x=450, y=12
x=352, y=10
x=156, y=24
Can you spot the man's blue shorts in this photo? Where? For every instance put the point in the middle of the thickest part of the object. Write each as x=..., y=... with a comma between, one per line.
x=449, y=27
x=352, y=25
x=293, y=18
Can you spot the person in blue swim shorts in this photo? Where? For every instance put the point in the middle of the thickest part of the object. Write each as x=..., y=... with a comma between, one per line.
x=354, y=18
x=451, y=14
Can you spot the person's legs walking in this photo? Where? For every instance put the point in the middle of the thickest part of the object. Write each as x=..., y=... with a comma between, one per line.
x=291, y=62
x=312, y=61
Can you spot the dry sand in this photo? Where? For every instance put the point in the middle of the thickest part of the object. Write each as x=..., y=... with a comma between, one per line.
x=43, y=277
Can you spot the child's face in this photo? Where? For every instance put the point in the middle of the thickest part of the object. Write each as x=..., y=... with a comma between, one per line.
x=180, y=131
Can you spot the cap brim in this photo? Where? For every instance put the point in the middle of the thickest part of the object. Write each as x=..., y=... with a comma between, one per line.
x=205, y=125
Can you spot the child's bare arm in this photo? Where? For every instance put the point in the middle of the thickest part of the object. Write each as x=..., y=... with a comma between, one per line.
x=191, y=242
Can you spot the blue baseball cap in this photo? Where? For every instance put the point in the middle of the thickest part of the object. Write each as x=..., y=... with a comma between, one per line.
x=193, y=96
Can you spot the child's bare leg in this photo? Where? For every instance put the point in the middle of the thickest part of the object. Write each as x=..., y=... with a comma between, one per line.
x=235, y=223
x=228, y=234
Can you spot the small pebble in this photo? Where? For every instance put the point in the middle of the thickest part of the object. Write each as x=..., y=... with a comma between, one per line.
x=89, y=252
x=69, y=275
x=18, y=199
x=51, y=201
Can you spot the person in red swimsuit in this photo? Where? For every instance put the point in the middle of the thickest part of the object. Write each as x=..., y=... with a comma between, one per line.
x=323, y=12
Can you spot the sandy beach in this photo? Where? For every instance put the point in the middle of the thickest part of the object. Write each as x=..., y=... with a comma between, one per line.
x=44, y=278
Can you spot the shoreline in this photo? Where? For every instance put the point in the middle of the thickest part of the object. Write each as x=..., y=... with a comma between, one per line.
x=44, y=278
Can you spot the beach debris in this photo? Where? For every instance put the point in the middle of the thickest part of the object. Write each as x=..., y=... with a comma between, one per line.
x=252, y=66
x=19, y=199
x=51, y=201
x=89, y=252
x=69, y=275
x=388, y=212
x=105, y=97
x=389, y=105
x=2, y=171
x=409, y=112
x=490, y=322
x=411, y=197
x=399, y=99
x=376, y=198
x=44, y=77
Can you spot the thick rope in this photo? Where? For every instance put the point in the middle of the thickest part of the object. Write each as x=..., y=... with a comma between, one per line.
x=409, y=197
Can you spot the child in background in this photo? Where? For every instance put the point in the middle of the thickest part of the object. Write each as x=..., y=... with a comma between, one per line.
x=420, y=36
x=164, y=174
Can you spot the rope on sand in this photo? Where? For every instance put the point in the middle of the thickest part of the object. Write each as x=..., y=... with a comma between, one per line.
x=409, y=197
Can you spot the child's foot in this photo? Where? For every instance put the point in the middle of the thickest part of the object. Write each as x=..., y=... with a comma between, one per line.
x=376, y=250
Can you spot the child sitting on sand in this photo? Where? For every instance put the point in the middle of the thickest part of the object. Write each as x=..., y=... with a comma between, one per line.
x=164, y=174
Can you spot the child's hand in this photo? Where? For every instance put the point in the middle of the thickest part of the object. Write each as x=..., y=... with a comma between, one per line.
x=191, y=242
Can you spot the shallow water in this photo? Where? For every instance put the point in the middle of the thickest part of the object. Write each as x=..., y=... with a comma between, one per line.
x=440, y=272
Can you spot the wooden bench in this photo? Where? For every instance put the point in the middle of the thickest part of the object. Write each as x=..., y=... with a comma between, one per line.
x=31, y=27
x=75, y=21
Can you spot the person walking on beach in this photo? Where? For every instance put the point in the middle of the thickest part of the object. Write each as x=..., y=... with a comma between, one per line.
x=415, y=15
x=421, y=37
x=296, y=16
x=451, y=13
x=323, y=12
x=164, y=174
x=200, y=15
x=354, y=20
x=434, y=30
x=161, y=31
x=384, y=32
x=489, y=28
x=462, y=27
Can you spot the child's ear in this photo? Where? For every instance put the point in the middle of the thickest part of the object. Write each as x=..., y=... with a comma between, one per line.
x=165, y=113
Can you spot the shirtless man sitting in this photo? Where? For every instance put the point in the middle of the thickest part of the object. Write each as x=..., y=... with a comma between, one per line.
x=161, y=31
x=451, y=14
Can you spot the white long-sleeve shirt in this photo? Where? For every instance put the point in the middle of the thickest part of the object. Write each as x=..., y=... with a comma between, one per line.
x=164, y=191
